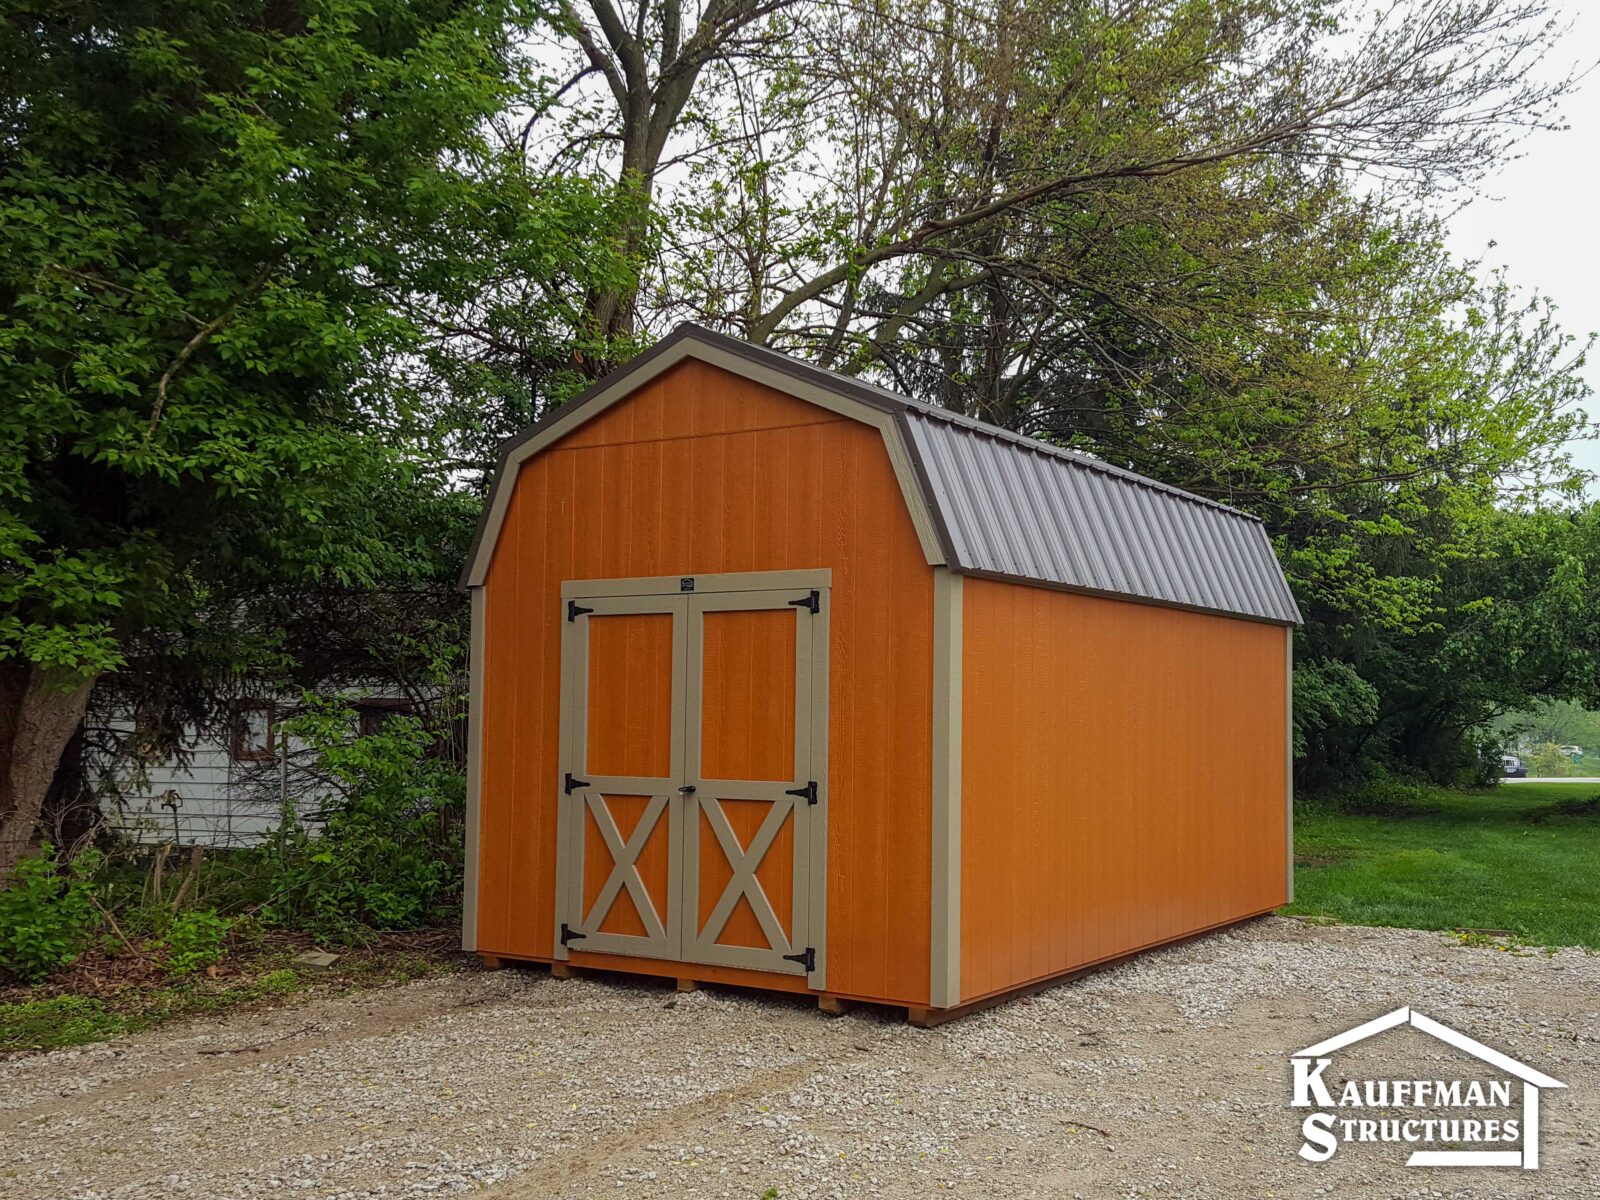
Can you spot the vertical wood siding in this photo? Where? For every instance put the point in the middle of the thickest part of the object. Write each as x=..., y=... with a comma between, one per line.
x=747, y=732
x=1122, y=779
x=700, y=472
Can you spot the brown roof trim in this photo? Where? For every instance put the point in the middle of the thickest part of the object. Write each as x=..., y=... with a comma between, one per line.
x=895, y=413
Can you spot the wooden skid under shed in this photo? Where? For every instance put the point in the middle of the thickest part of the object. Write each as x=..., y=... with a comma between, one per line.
x=837, y=1006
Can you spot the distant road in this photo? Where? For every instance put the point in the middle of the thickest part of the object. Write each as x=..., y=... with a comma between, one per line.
x=1556, y=779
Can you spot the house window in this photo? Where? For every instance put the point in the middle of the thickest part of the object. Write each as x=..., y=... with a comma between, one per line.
x=374, y=714
x=254, y=725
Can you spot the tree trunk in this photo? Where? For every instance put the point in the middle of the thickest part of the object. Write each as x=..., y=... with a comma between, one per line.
x=39, y=711
x=613, y=311
x=71, y=809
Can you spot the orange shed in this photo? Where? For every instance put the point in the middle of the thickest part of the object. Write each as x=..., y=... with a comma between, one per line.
x=783, y=680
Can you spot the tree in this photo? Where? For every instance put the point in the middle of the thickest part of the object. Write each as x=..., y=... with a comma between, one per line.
x=830, y=174
x=649, y=62
x=1563, y=722
x=1192, y=239
x=227, y=234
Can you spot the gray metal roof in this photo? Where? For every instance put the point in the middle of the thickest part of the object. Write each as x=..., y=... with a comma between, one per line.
x=1004, y=504
x=1021, y=509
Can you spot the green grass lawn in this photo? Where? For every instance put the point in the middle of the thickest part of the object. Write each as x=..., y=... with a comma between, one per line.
x=1524, y=858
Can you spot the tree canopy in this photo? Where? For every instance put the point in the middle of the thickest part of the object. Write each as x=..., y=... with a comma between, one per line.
x=1200, y=240
x=278, y=277
x=227, y=233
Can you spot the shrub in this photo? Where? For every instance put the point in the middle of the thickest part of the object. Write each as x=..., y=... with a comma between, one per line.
x=1549, y=760
x=1489, y=751
x=194, y=940
x=388, y=854
x=1385, y=794
x=46, y=915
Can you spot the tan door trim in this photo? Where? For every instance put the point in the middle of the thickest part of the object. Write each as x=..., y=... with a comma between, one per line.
x=664, y=585
x=664, y=935
x=713, y=592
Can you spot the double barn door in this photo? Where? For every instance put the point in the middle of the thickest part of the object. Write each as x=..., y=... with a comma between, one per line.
x=693, y=735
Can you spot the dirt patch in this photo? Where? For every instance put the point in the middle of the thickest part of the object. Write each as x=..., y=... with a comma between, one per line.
x=1168, y=1075
x=1320, y=860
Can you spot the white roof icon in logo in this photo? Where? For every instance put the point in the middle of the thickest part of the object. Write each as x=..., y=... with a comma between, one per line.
x=1409, y=1016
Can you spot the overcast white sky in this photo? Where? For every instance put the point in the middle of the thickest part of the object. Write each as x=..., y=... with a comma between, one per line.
x=1542, y=212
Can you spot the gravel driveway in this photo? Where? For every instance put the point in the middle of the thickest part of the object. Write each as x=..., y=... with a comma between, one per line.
x=1164, y=1077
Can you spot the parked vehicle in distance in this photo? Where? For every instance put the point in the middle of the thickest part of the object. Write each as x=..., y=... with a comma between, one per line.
x=1575, y=753
x=1511, y=767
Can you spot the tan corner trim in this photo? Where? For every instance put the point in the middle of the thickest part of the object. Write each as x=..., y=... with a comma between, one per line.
x=1288, y=755
x=944, y=989
x=628, y=381
x=469, y=883
x=672, y=585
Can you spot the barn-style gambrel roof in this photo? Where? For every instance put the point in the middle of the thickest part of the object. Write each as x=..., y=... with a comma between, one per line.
x=985, y=501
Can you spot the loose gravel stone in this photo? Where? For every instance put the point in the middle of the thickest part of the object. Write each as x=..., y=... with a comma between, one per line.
x=1165, y=1076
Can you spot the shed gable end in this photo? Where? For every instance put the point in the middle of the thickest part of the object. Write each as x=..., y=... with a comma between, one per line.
x=703, y=472
x=638, y=441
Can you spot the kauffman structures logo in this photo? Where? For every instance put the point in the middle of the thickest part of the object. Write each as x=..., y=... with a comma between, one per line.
x=1449, y=1122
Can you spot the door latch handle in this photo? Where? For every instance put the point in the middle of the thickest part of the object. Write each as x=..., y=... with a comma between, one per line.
x=686, y=790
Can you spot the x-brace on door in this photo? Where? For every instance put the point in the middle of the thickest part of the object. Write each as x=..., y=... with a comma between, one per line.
x=753, y=788
x=693, y=784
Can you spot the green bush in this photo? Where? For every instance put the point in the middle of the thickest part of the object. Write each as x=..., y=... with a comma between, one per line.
x=194, y=940
x=1383, y=794
x=1549, y=760
x=46, y=914
x=388, y=853
x=1489, y=750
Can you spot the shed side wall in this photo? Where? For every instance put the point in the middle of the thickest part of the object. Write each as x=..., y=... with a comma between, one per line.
x=1122, y=778
x=701, y=472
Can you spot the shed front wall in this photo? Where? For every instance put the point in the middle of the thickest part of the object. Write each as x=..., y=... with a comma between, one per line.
x=700, y=472
x=1123, y=778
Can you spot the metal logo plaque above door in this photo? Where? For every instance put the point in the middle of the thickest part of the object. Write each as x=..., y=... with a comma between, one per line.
x=693, y=806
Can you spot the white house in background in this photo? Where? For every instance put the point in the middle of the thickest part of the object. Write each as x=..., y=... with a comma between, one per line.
x=231, y=790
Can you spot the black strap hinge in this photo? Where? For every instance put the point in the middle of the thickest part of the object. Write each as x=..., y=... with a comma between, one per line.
x=571, y=785
x=576, y=610
x=811, y=600
x=808, y=960
x=569, y=934
x=807, y=793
